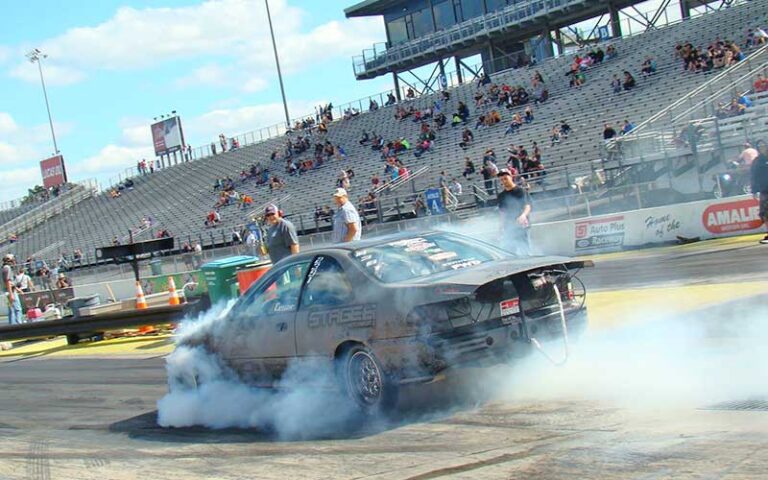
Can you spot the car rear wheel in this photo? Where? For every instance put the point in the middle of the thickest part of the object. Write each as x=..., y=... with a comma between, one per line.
x=366, y=382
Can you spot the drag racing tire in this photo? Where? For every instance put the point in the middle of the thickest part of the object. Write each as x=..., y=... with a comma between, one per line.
x=365, y=381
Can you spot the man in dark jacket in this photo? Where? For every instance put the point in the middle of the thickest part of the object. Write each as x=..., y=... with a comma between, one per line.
x=759, y=176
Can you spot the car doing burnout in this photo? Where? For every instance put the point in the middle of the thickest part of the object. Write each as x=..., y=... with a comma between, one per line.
x=395, y=310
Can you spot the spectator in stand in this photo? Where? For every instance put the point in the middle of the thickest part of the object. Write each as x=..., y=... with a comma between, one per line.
x=212, y=219
x=528, y=114
x=373, y=105
x=616, y=84
x=515, y=209
x=514, y=124
x=761, y=84
x=365, y=138
x=466, y=138
x=346, y=221
x=63, y=281
x=410, y=94
x=748, y=155
x=276, y=184
x=440, y=120
x=608, y=132
x=537, y=80
x=282, y=239
x=760, y=36
x=463, y=112
x=223, y=142
x=565, y=129
x=24, y=281
x=391, y=100
x=627, y=127
x=611, y=52
x=469, y=168
x=456, y=119
x=629, y=81
x=649, y=67
x=759, y=183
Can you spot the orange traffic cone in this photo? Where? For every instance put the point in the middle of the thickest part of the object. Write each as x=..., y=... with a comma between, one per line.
x=141, y=302
x=173, y=295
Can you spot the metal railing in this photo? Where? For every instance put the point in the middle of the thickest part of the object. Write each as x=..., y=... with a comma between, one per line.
x=76, y=194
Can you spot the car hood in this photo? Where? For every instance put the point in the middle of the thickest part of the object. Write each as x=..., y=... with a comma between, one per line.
x=486, y=272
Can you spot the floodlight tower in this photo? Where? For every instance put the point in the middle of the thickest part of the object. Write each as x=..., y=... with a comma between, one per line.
x=36, y=56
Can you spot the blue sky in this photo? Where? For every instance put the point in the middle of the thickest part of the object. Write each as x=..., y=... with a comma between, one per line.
x=114, y=65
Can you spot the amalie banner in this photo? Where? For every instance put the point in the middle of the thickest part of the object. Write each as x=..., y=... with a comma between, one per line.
x=53, y=171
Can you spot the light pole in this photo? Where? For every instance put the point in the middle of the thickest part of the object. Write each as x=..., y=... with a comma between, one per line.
x=36, y=56
x=277, y=62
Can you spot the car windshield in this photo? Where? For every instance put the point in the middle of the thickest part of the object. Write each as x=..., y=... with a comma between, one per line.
x=420, y=256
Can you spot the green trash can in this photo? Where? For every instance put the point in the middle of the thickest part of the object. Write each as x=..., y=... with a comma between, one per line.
x=221, y=276
x=156, y=265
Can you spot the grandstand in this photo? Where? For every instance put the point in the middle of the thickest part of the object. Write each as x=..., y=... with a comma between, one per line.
x=178, y=198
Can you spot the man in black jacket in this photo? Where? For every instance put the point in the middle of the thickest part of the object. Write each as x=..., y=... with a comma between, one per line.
x=759, y=176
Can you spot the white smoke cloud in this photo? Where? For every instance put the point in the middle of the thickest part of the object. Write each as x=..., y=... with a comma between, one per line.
x=305, y=404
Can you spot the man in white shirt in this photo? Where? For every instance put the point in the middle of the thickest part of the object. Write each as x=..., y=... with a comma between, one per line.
x=346, y=221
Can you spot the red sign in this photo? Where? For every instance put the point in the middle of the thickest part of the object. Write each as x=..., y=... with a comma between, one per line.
x=54, y=173
x=738, y=216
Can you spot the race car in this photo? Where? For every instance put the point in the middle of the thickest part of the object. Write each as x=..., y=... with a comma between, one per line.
x=393, y=310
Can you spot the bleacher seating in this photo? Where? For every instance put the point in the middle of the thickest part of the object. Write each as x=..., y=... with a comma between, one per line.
x=178, y=198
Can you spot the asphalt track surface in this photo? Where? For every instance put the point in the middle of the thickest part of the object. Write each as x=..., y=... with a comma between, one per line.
x=88, y=417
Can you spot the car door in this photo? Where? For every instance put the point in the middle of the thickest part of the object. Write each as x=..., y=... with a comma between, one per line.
x=329, y=312
x=261, y=340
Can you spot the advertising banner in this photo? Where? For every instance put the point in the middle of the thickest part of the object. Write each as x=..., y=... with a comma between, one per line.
x=636, y=228
x=167, y=136
x=53, y=171
x=603, y=233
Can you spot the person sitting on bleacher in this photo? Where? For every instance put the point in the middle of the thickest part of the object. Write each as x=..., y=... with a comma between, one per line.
x=629, y=81
x=648, y=67
x=761, y=84
x=466, y=138
x=440, y=120
x=514, y=125
x=377, y=143
x=456, y=120
x=610, y=52
x=463, y=111
x=365, y=138
x=373, y=105
x=469, y=168
x=391, y=100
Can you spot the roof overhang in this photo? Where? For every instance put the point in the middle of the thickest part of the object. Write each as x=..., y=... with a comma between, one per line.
x=368, y=8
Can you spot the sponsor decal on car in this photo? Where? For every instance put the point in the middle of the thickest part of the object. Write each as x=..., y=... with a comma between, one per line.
x=602, y=233
x=510, y=307
x=358, y=316
x=738, y=216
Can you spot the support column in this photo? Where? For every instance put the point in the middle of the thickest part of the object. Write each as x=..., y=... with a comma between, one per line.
x=685, y=8
x=458, y=70
x=397, y=86
x=559, y=42
x=547, y=48
x=613, y=12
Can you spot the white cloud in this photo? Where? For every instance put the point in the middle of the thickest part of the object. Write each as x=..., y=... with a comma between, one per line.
x=54, y=74
x=233, y=30
x=236, y=121
x=7, y=124
x=111, y=159
x=213, y=75
x=5, y=53
x=17, y=181
x=137, y=135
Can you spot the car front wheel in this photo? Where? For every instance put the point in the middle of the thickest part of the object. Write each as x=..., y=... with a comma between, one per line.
x=366, y=383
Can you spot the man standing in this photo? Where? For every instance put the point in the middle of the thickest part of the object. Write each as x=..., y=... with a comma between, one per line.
x=11, y=292
x=282, y=239
x=515, y=209
x=346, y=220
x=759, y=175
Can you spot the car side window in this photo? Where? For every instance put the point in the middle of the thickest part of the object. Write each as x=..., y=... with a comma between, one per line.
x=326, y=284
x=279, y=295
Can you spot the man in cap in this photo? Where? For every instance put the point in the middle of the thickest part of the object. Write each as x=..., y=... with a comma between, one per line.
x=515, y=209
x=759, y=182
x=346, y=220
x=282, y=239
x=11, y=292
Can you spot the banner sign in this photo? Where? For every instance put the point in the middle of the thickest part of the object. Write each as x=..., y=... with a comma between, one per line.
x=53, y=171
x=167, y=136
